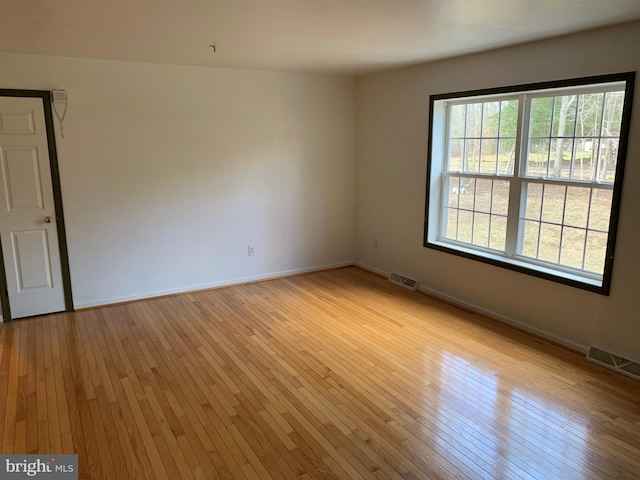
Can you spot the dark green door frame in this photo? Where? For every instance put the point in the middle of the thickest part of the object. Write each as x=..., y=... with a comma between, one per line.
x=45, y=95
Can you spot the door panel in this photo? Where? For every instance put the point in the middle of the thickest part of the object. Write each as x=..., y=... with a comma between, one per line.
x=28, y=228
x=21, y=177
x=31, y=254
x=17, y=121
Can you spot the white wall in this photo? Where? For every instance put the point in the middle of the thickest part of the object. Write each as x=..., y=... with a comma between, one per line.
x=168, y=173
x=392, y=158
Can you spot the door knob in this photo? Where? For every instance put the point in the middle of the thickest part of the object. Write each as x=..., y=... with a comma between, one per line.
x=48, y=219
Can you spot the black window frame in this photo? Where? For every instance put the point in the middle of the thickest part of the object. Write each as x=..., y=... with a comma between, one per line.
x=604, y=289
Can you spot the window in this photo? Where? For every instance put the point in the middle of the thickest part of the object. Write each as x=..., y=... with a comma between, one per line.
x=529, y=177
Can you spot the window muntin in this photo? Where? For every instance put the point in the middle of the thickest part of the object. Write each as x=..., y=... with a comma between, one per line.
x=567, y=131
x=528, y=177
x=475, y=211
x=482, y=136
x=566, y=225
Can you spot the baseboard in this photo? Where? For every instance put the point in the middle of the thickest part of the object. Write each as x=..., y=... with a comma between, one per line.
x=577, y=347
x=369, y=268
x=208, y=286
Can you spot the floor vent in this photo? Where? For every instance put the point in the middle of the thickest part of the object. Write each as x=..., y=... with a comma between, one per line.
x=408, y=283
x=614, y=362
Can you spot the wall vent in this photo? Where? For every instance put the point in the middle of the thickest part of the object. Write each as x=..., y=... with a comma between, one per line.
x=614, y=362
x=408, y=283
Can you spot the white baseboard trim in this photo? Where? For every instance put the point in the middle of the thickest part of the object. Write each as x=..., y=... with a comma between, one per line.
x=205, y=286
x=488, y=313
x=371, y=269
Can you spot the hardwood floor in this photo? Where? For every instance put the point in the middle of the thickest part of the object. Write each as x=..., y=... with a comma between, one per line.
x=336, y=374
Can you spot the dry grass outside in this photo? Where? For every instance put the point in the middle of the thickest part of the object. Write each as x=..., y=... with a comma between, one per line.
x=538, y=164
x=573, y=236
x=501, y=163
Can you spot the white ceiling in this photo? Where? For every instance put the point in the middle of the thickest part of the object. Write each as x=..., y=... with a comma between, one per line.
x=329, y=36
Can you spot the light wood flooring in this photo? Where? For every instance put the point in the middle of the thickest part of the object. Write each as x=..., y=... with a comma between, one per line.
x=329, y=375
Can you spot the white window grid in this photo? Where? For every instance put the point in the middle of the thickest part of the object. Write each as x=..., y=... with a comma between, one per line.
x=519, y=178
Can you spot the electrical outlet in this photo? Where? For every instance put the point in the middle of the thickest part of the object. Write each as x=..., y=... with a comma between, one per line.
x=251, y=251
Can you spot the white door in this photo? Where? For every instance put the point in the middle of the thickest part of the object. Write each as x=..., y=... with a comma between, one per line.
x=27, y=213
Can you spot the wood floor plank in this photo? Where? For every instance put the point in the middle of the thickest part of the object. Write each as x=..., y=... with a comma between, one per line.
x=331, y=375
x=11, y=401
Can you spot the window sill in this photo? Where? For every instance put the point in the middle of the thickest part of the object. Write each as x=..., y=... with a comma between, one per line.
x=541, y=271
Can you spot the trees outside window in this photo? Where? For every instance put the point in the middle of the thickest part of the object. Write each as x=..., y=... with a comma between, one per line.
x=530, y=177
